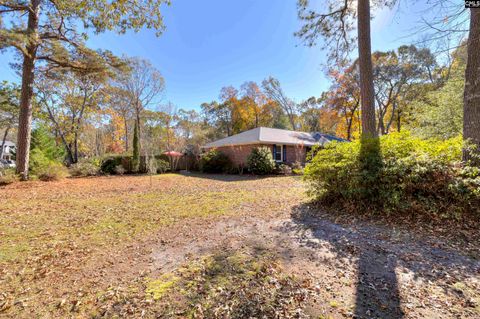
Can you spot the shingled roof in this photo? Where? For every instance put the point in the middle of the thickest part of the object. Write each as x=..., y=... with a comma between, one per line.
x=265, y=135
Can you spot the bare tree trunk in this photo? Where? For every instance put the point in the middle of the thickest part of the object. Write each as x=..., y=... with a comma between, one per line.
x=229, y=131
x=370, y=157
x=348, y=122
x=381, y=125
x=98, y=143
x=126, y=133
x=138, y=111
x=392, y=117
x=75, y=148
x=359, y=121
x=70, y=153
x=367, y=91
x=471, y=104
x=291, y=117
x=78, y=125
x=4, y=139
x=139, y=133
x=349, y=129
x=28, y=77
x=58, y=131
x=399, y=120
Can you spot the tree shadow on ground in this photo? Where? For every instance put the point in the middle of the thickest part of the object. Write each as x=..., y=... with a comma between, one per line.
x=377, y=294
x=377, y=252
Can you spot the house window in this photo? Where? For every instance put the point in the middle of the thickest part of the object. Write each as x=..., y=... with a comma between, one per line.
x=278, y=153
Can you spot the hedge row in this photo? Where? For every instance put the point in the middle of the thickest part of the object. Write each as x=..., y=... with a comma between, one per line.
x=396, y=174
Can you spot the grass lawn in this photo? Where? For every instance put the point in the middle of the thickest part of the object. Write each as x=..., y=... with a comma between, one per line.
x=63, y=244
x=211, y=246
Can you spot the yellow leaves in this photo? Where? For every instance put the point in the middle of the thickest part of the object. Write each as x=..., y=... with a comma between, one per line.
x=158, y=288
x=243, y=112
x=114, y=142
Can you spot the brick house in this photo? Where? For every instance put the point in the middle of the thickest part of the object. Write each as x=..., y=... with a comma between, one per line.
x=287, y=146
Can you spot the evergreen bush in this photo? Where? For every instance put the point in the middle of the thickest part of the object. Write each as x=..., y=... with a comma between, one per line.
x=7, y=176
x=53, y=171
x=260, y=161
x=85, y=167
x=109, y=164
x=396, y=174
x=162, y=166
x=215, y=161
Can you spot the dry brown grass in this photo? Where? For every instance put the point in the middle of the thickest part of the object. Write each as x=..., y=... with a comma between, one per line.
x=61, y=242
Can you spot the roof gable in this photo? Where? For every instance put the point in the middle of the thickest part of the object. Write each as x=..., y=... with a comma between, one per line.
x=247, y=137
x=273, y=135
x=265, y=135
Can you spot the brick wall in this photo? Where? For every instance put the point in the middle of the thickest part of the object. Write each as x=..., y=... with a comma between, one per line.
x=238, y=154
x=295, y=153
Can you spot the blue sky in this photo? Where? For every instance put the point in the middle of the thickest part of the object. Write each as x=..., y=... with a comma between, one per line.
x=209, y=44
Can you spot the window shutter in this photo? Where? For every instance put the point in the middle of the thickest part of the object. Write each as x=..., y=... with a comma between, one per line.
x=284, y=153
x=274, y=151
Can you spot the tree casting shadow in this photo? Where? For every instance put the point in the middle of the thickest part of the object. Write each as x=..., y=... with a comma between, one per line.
x=376, y=254
x=377, y=293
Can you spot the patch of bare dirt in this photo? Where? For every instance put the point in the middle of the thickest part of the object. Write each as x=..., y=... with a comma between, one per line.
x=361, y=271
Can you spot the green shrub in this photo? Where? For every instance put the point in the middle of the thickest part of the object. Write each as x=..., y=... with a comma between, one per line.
x=297, y=171
x=109, y=164
x=119, y=170
x=96, y=161
x=7, y=176
x=46, y=157
x=260, y=161
x=86, y=167
x=215, y=161
x=162, y=166
x=52, y=172
x=297, y=168
x=44, y=141
x=145, y=165
x=46, y=167
x=38, y=161
x=396, y=174
x=297, y=165
x=283, y=169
